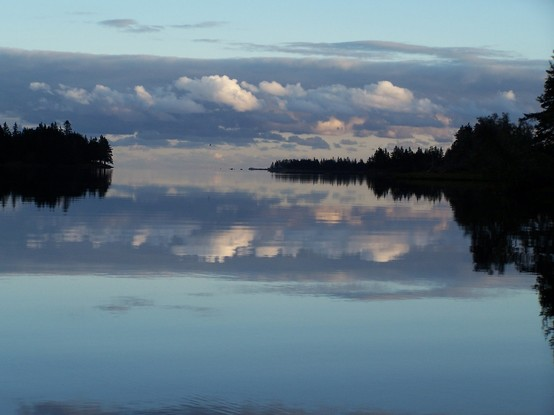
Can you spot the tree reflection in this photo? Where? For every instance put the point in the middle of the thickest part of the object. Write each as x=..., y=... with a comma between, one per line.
x=506, y=226
x=509, y=227
x=52, y=187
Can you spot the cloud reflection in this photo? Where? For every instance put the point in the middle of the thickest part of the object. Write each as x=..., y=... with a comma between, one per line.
x=250, y=227
x=123, y=304
x=196, y=406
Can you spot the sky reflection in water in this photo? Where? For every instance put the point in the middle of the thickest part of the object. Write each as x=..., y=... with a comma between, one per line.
x=240, y=294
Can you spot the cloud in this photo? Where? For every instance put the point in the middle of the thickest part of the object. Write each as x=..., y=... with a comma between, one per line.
x=130, y=25
x=78, y=95
x=336, y=99
x=383, y=95
x=275, y=88
x=191, y=407
x=220, y=90
x=312, y=142
x=378, y=50
x=124, y=304
x=156, y=99
x=143, y=95
x=200, y=25
x=39, y=86
x=118, y=23
x=509, y=95
x=331, y=126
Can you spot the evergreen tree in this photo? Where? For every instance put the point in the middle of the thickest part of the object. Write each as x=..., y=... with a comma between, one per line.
x=105, y=150
x=545, y=118
x=52, y=145
x=67, y=127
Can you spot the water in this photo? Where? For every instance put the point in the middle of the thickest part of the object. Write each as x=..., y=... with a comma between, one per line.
x=239, y=292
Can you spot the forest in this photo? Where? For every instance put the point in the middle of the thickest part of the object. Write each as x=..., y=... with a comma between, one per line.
x=494, y=148
x=52, y=145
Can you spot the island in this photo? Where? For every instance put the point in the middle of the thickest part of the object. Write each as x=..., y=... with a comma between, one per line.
x=51, y=165
x=52, y=145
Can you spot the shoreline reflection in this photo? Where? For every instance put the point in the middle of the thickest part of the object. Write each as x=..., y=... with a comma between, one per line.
x=52, y=186
x=256, y=290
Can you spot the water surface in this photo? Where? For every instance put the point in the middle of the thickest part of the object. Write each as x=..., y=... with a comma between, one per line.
x=240, y=292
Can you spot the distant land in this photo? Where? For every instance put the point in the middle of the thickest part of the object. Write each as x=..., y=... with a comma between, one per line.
x=494, y=149
x=52, y=146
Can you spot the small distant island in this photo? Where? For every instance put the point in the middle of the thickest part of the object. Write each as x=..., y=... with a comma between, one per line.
x=52, y=145
x=494, y=149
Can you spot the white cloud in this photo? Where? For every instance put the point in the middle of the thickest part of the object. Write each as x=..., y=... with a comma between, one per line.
x=383, y=95
x=249, y=87
x=337, y=99
x=509, y=95
x=443, y=119
x=78, y=95
x=220, y=90
x=275, y=88
x=108, y=96
x=143, y=95
x=149, y=95
x=39, y=86
x=331, y=126
x=219, y=246
x=334, y=126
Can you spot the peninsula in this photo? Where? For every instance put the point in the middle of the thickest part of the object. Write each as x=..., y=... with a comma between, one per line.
x=52, y=146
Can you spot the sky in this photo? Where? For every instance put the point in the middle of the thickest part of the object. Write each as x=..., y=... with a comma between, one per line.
x=246, y=82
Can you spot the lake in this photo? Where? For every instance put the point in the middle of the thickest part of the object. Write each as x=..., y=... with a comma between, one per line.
x=243, y=292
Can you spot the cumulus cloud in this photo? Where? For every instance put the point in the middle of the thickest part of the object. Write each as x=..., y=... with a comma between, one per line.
x=509, y=95
x=383, y=95
x=331, y=126
x=339, y=99
x=220, y=90
x=334, y=126
x=173, y=98
x=78, y=95
x=144, y=95
x=40, y=86
x=275, y=88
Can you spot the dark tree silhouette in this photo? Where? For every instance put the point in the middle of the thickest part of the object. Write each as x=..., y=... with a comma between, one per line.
x=545, y=118
x=494, y=149
x=52, y=145
x=52, y=187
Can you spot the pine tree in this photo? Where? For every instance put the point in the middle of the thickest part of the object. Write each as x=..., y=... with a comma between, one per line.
x=545, y=118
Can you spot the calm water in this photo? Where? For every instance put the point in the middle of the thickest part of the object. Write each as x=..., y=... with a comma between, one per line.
x=239, y=292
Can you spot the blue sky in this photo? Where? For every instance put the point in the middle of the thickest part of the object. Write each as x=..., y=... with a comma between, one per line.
x=177, y=28
x=264, y=79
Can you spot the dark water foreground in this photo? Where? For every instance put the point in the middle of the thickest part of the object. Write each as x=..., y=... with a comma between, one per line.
x=247, y=293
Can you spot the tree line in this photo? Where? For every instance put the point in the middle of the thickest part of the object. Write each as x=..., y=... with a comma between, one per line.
x=52, y=145
x=493, y=148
